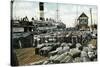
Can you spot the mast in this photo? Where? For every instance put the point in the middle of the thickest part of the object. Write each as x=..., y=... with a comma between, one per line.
x=57, y=12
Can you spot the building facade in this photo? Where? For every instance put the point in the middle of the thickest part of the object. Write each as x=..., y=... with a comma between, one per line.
x=83, y=21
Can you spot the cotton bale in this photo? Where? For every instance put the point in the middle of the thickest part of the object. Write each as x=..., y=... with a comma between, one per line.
x=74, y=52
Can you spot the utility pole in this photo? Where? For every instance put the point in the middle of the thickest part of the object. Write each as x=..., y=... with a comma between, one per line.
x=91, y=20
x=76, y=19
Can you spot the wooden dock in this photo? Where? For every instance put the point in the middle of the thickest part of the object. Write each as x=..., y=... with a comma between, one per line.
x=27, y=56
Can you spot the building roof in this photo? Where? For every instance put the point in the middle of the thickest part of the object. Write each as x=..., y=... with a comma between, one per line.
x=18, y=35
x=82, y=15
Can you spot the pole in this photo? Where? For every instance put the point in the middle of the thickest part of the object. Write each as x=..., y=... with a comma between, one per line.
x=57, y=11
x=12, y=9
x=91, y=19
x=20, y=44
x=14, y=60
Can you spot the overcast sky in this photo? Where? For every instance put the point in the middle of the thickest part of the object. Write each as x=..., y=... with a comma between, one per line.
x=67, y=12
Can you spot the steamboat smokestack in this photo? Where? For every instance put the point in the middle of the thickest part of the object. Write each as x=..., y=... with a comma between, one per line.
x=41, y=9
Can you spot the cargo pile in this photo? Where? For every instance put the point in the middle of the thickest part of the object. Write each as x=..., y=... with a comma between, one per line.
x=65, y=53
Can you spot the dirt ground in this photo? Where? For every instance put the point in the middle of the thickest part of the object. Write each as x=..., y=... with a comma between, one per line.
x=27, y=55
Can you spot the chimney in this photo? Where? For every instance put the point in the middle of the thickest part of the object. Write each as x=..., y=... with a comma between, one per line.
x=41, y=9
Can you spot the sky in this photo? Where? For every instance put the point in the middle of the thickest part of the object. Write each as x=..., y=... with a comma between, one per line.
x=67, y=13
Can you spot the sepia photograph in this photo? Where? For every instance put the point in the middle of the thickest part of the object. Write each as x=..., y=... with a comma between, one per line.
x=45, y=33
